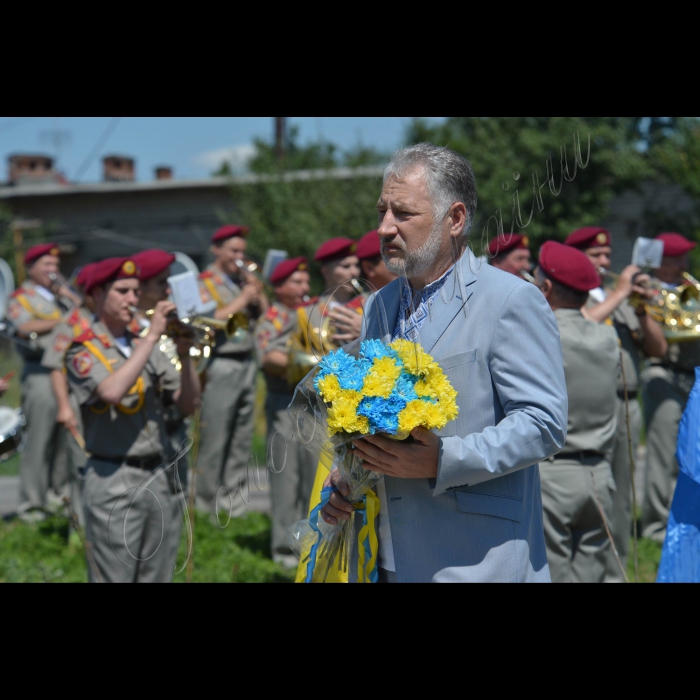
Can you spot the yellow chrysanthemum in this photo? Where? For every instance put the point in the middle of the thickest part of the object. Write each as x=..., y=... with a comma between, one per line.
x=329, y=388
x=382, y=377
x=424, y=388
x=415, y=359
x=342, y=415
x=412, y=416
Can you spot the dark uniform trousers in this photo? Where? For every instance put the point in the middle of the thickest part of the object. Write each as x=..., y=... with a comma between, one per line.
x=292, y=470
x=226, y=436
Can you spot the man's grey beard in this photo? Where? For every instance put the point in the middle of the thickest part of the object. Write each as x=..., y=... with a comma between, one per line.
x=417, y=262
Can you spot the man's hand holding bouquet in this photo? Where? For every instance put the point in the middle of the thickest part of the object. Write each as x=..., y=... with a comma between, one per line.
x=391, y=392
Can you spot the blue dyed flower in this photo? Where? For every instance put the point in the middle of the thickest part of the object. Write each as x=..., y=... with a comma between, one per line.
x=383, y=414
x=374, y=349
x=405, y=388
x=353, y=378
x=338, y=363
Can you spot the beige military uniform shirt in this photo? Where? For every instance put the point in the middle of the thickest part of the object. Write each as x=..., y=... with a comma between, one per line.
x=273, y=332
x=591, y=365
x=214, y=286
x=631, y=335
x=683, y=357
x=135, y=428
x=73, y=324
x=29, y=302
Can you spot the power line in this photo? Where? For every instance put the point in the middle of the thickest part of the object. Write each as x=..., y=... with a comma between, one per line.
x=101, y=142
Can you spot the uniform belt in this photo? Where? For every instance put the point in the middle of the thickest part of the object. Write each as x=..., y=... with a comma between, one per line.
x=680, y=370
x=145, y=463
x=583, y=456
x=631, y=395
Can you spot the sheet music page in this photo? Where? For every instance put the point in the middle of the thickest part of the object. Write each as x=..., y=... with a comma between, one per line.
x=185, y=291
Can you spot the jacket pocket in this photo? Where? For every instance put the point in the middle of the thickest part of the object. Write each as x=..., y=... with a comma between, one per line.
x=465, y=358
x=494, y=506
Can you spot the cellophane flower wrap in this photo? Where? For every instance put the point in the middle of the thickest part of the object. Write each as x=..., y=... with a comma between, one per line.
x=387, y=389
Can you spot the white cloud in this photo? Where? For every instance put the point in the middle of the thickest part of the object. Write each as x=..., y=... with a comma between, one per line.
x=237, y=156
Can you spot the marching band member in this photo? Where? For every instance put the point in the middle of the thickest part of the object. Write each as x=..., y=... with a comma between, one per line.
x=667, y=383
x=580, y=476
x=228, y=405
x=155, y=271
x=372, y=265
x=36, y=307
x=640, y=336
x=73, y=324
x=123, y=384
x=510, y=252
x=292, y=469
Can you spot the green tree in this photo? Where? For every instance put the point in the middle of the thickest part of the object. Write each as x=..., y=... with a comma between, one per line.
x=298, y=215
x=525, y=160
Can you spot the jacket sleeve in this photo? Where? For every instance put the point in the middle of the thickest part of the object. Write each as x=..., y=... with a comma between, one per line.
x=527, y=372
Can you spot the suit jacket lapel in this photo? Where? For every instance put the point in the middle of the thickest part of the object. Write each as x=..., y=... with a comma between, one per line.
x=450, y=305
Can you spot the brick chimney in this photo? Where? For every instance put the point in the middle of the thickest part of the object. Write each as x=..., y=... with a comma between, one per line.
x=164, y=172
x=26, y=169
x=118, y=169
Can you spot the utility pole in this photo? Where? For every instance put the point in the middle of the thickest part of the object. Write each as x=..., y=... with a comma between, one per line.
x=280, y=136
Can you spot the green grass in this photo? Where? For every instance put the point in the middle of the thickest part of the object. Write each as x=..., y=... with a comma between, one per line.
x=649, y=560
x=11, y=467
x=237, y=554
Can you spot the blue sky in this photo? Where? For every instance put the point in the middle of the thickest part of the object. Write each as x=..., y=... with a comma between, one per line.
x=194, y=146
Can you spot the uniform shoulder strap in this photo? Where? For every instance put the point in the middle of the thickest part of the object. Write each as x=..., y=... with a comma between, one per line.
x=85, y=337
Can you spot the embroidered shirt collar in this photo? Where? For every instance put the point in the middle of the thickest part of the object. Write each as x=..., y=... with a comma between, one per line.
x=415, y=307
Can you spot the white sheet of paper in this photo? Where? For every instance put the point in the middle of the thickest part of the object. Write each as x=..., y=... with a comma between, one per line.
x=185, y=291
x=648, y=253
x=272, y=260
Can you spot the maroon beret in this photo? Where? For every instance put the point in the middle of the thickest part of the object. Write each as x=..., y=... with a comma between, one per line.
x=507, y=242
x=336, y=249
x=287, y=268
x=152, y=262
x=568, y=266
x=369, y=246
x=39, y=251
x=675, y=245
x=589, y=237
x=84, y=275
x=110, y=270
x=226, y=232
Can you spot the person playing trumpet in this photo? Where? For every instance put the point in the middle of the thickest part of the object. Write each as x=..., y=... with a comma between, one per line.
x=124, y=383
x=640, y=336
x=228, y=405
x=34, y=310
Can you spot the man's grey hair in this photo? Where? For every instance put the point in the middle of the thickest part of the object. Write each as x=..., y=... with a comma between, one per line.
x=449, y=177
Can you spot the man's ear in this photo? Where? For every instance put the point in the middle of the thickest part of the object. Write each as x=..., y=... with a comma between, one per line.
x=458, y=219
x=547, y=289
x=214, y=249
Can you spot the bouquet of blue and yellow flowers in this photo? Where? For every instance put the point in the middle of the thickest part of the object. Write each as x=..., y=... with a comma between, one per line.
x=389, y=390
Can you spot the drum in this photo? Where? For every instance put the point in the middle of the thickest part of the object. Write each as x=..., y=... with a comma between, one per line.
x=12, y=424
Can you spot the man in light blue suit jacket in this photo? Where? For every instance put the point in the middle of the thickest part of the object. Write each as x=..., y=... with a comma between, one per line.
x=463, y=505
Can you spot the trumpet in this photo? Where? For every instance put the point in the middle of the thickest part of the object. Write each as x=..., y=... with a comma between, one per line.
x=528, y=277
x=202, y=330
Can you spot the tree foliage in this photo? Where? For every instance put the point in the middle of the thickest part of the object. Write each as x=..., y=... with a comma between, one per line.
x=299, y=215
x=538, y=158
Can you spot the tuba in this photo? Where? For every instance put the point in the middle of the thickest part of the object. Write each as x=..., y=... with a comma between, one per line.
x=308, y=345
x=676, y=310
